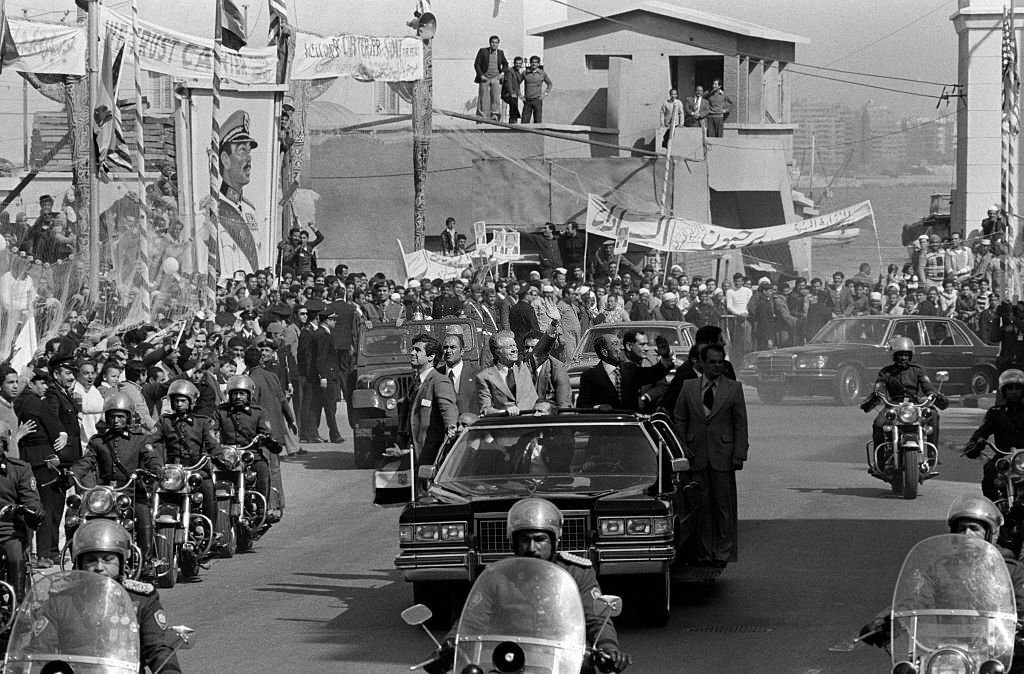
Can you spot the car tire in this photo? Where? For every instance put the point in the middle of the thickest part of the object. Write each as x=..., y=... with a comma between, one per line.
x=849, y=385
x=771, y=395
x=981, y=382
x=655, y=594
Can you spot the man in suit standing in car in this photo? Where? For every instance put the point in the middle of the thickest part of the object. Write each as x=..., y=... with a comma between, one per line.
x=459, y=372
x=431, y=412
x=711, y=421
x=508, y=386
x=616, y=381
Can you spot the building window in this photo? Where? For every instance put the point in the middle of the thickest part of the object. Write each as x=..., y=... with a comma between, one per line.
x=600, y=61
x=386, y=99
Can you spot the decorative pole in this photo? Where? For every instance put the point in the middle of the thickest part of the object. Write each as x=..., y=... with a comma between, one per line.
x=422, y=110
x=142, y=264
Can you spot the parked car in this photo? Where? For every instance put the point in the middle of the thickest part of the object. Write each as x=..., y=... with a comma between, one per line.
x=843, y=359
x=620, y=480
x=382, y=377
x=679, y=336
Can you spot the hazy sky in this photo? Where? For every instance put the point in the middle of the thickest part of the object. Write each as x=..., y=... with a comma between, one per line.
x=905, y=38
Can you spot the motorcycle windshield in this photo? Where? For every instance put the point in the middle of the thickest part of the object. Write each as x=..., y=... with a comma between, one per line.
x=953, y=606
x=530, y=603
x=84, y=619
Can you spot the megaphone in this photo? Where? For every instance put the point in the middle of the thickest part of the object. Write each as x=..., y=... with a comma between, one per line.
x=426, y=26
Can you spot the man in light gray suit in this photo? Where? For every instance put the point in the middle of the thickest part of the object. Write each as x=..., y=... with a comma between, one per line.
x=711, y=420
x=507, y=386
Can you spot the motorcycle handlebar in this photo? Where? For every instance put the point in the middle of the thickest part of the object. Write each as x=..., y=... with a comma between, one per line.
x=927, y=401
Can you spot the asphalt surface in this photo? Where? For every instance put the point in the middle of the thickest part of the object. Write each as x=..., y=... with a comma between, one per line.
x=821, y=543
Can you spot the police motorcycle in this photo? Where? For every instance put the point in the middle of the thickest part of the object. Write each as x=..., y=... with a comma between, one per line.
x=241, y=509
x=1009, y=483
x=10, y=593
x=106, y=502
x=953, y=609
x=181, y=537
x=522, y=615
x=907, y=458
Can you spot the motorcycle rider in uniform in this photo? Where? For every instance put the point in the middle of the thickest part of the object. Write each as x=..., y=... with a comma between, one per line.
x=240, y=421
x=183, y=437
x=19, y=504
x=1006, y=423
x=112, y=457
x=101, y=546
x=971, y=516
x=535, y=527
x=902, y=379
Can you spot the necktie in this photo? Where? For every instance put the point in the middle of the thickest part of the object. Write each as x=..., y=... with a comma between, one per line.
x=709, y=397
x=617, y=381
x=451, y=377
x=510, y=380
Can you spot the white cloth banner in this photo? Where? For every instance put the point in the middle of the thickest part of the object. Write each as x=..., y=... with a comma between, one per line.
x=361, y=57
x=46, y=48
x=424, y=264
x=680, y=235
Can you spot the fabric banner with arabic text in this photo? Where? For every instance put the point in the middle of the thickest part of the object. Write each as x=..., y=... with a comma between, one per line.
x=48, y=49
x=680, y=235
x=361, y=57
x=425, y=264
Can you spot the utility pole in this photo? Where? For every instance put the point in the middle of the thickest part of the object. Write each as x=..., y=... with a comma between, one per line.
x=422, y=110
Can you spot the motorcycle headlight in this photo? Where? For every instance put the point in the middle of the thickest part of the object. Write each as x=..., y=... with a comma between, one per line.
x=810, y=362
x=230, y=458
x=949, y=661
x=174, y=478
x=1018, y=463
x=99, y=501
x=907, y=413
x=387, y=387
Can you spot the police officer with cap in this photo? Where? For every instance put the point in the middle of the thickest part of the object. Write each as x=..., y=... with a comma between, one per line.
x=114, y=455
x=535, y=528
x=102, y=546
x=903, y=379
x=236, y=214
x=1005, y=422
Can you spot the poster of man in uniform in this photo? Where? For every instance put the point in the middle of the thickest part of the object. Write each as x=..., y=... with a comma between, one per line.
x=248, y=218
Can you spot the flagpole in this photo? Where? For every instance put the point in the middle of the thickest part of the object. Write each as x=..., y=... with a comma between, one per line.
x=93, y=33
x=142, y=264
x=213, y=234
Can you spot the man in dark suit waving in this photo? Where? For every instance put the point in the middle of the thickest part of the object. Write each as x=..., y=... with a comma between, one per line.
x=616, y=381
x=711, y=421
x=460, y=373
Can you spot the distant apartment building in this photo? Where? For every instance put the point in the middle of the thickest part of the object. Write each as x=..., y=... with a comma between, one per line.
x=825, y=128
x=880, y=140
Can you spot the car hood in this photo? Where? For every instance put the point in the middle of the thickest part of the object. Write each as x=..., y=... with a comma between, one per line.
x=562, y=487
x=376, y=371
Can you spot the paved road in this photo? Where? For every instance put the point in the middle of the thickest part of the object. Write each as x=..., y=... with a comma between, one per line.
x=820, y=547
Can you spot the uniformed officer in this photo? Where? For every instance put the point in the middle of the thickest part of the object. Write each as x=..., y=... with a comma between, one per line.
x=237, y=215
x=899, y=381
x=112, y=457
x=185, y=438
x=19, y=503
x=534, y=528
x=240, y=422
x=1006, y=423
x=101, y=546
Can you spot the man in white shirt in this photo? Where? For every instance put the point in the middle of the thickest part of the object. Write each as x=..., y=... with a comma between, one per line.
x=737, y=300
x=92, y=401
x=671, y=116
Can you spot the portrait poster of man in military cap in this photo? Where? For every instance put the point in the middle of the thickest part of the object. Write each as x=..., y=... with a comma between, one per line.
x=237, y=219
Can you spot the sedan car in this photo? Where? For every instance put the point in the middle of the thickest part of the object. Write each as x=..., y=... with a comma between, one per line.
x=843, y=359
x=679, y=336
x=621, y=481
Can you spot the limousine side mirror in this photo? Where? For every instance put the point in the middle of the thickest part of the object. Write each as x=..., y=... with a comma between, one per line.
x=425, y=472
x=680, y=465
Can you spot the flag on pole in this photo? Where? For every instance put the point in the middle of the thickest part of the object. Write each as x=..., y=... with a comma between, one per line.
x=1011, y=112
x=111, y=148
x=232, y=23
x=142, y=264
x=8, y=48
x=278, y=20
x=212, y=238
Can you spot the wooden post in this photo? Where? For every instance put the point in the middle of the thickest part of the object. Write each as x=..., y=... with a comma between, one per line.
x=422, y=109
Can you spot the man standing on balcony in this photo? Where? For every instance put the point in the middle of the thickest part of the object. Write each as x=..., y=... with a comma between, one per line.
x=536, y=86
x=695, y=109
x=671, y=116
x=491, y=66
x=719, y=108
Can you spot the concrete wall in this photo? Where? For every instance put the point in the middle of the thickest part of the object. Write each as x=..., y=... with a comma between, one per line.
x=979, y=115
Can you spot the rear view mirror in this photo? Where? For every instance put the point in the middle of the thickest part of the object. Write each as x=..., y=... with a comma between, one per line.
x=942, y=376
x=680, y=465
x=425, y=472
x=608, y=605
x=417, y=615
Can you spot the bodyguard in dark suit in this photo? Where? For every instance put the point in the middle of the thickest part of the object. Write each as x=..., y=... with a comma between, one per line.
x=306, y=369
x=521, y=317
x=711, y=421
x=616, y=381
x=460, y=373
x=326, y=379
x=430, y=414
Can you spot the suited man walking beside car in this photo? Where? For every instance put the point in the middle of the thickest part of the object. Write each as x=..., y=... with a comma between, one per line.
x=460, y=373
x=711, y=421
x=431, y=413
x=616, y=381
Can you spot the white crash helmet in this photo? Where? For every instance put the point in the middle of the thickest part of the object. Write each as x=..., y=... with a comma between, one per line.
x=1012, y=376
x=535, y=514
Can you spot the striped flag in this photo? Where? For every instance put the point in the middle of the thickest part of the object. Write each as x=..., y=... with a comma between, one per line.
x=232, y=25
x=1011, y=112
x=278, y=20
x=212, y=226
x=142, y=264
x=111, y=149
